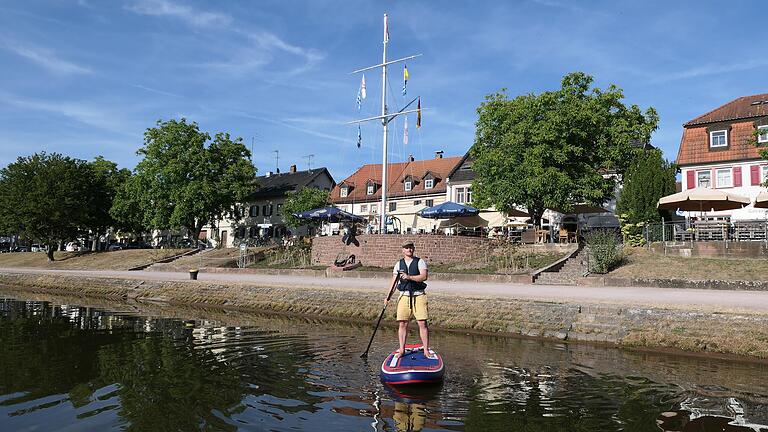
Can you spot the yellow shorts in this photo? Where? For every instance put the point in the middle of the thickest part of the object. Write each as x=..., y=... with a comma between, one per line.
x=419, y=312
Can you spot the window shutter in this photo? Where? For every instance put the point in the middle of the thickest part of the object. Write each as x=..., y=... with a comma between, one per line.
x=754, y=174
x=736, y=176
x=691, y=179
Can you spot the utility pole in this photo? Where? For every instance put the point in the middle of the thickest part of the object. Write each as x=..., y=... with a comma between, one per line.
x=385, y=118
x=277, y=161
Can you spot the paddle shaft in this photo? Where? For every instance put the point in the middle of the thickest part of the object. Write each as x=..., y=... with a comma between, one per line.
x=381, y=315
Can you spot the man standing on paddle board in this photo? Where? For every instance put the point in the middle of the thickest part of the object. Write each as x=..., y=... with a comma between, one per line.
x=412, y=300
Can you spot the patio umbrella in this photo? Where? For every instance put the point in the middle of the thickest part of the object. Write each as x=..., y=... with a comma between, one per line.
x=702, y=199
x=448, y=209
x=329, y=214
x=583, y=209
x=762, y=199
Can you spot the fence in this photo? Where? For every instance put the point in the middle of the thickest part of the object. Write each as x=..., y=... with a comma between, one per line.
x=722, y=230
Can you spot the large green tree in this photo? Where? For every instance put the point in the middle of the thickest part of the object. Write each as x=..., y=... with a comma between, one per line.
x=647, y=179
x=550, y=150
x=185, y=179
x=303, y=200
x=45, y=198
x=104, y=181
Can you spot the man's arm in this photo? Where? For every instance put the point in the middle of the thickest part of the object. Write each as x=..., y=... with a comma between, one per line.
x=421, y=277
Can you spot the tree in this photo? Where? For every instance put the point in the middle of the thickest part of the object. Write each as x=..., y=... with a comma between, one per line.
x=551, y=150
x=45, y=198
x=647, y=179
x=105, y=180
x=185, y=179
x=303, y=200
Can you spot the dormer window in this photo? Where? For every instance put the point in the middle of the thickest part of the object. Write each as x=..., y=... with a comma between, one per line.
x=718, y=139
x=371, y=189
x=408, y=185
x=762, y=136
x=344, y=191
x=429, y=183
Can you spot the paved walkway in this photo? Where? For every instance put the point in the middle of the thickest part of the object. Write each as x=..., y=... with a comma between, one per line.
x=689, y=299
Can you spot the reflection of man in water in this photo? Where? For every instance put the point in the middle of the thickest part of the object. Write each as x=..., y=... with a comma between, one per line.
x=409, y=417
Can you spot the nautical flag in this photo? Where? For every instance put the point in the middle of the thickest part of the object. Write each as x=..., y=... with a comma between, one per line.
x=361, y=93
x=405, y=131
x=359, y=136
x=405, y=79
x=386, y=29
x=418, y=114
x=362, y=87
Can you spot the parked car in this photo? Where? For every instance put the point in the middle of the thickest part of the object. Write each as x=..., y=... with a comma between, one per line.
x=37, y=248
x=116, y=246
x=138, y=245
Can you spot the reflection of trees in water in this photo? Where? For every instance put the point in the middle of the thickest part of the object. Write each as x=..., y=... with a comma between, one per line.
x=520, y=399
x=164, y=382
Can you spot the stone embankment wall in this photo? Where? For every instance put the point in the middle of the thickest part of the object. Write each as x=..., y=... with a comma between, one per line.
x=383, y=250
x=693, y=331
x=713, y=249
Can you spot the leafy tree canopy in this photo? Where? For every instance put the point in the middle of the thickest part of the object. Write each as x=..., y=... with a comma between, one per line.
x=45, y=198
x=185, y=179
x=647, y=179
x=105, y=180
x=303, y=200
x=550, y=150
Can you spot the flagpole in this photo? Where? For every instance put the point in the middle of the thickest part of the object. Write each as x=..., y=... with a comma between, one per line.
x=384, y=122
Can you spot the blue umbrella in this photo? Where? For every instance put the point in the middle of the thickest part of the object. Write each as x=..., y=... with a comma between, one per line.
x=448, y=209
x=330, y=214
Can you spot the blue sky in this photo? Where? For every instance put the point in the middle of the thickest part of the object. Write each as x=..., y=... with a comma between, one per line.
x=87, y=77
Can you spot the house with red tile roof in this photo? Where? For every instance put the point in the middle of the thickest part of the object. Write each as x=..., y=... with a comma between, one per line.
x=413, y=185
x=717, y=151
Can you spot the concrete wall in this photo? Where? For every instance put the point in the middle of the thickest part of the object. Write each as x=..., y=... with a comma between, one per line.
x=713, y=249
x=384, y=250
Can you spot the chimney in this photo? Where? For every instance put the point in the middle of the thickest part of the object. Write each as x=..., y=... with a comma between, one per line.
x=269, y=173
x=439, y=154
x=410, y=158
x=293, y=169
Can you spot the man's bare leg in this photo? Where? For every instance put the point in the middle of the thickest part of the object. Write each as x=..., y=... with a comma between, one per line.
x=424, y=333
x=402, y=333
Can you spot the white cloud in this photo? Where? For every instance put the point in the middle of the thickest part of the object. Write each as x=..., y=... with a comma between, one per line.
x=185, y=13
x=44, y=57
x=154, y=90
x=711, y=69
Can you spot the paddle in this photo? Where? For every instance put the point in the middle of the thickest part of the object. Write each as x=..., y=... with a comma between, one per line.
x=381, y=315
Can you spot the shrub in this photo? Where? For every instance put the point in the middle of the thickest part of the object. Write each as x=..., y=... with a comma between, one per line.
x=604, y=250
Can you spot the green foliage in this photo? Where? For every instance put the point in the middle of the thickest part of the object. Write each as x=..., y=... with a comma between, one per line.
x=303, y=200
x=45, y=197
x=185, y=179
x=105, y=180
x=548, y=150
x=648, y=178
x=632, y=232
x=604, y=250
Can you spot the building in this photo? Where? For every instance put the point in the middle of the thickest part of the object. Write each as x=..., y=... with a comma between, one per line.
x=459, y=190
x=263, y=212
x=717, y=151
x=413, y=185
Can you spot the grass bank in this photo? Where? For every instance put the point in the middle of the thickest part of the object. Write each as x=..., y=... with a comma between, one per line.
x=654, y=328
x=114, y=260
x=644, y=264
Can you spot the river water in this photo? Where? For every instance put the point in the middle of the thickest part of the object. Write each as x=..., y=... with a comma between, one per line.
x=65, y=367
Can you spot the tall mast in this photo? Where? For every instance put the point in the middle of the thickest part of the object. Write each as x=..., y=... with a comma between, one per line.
x=384, y=122
x=385, y=118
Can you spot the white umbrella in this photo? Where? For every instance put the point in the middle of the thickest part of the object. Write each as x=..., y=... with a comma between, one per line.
x=702, y=199
x=762, y=199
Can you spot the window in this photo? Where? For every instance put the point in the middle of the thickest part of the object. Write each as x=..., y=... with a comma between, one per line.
x=374, y=208
x=279, y=209
x=704, y=178
x=363, y=208
x=344, y=191
x=763, y=134
x=460, y=195
x=240, y=232
x=408, y=185
x=266, y=210
x=724, y=178
x=469, y=195
x=254, y=211
x=417, y=202
x=370, y=189
x=429, y=183
x=254, y=232
x=392, y=206
x=764, y=173
x=429, y=202
x=718, y=139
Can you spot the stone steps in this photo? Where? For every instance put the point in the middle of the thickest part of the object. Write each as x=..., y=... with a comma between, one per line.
x=568, y=274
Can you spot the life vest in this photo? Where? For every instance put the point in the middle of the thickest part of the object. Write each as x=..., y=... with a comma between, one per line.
x=411, y=270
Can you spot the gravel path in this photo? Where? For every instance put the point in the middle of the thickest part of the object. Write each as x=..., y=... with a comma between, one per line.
x=689, y=299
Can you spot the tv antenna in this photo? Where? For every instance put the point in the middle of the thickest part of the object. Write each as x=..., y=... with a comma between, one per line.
x=277, y=161
x=309, y=160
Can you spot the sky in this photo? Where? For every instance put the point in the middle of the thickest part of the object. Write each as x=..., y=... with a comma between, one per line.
x=88, y=77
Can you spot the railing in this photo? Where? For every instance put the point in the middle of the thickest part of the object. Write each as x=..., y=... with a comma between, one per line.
x=707, y=230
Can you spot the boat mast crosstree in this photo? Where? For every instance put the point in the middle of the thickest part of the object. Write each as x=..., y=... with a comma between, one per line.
x=385, y=118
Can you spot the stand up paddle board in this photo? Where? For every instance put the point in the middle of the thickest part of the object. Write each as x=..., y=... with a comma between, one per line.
x=413, y=367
